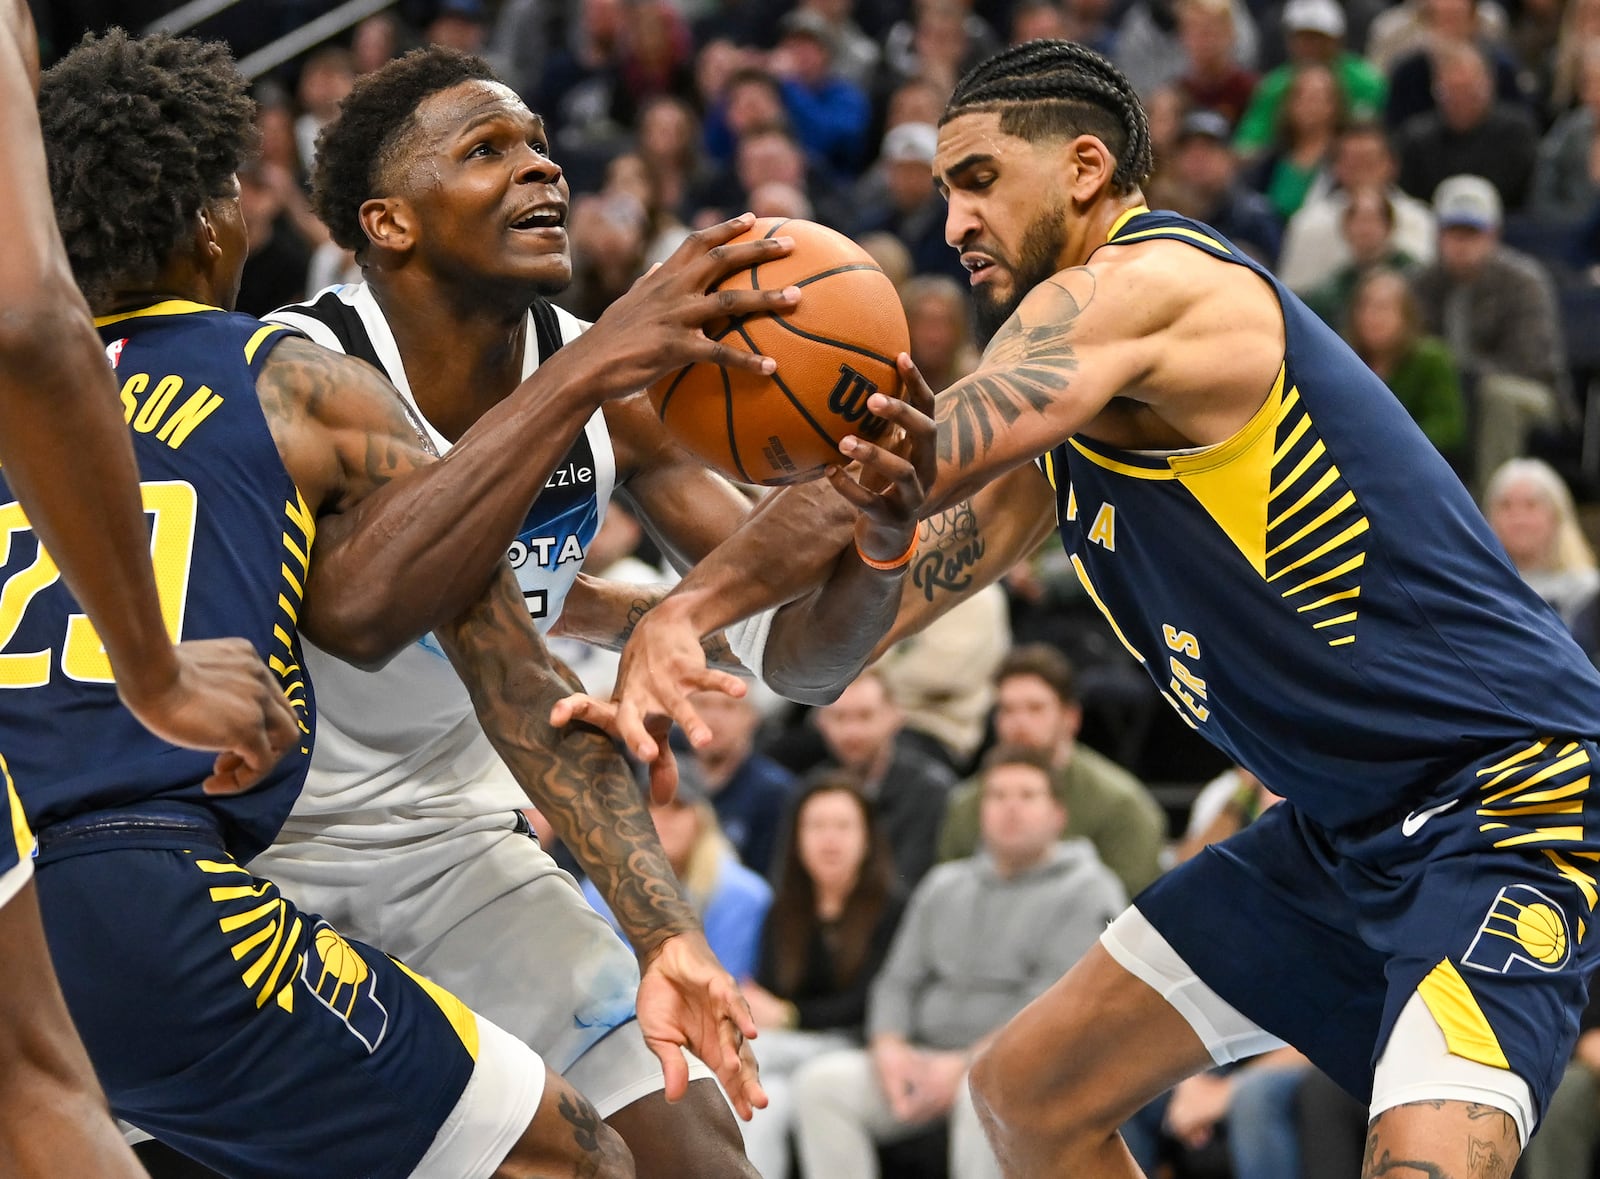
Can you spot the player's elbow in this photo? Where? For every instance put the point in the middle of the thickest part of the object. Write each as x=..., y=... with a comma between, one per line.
x=363, y=640
x=36, y=335
x=814, y=688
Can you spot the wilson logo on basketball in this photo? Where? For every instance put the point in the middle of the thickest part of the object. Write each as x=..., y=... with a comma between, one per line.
x=849, y=401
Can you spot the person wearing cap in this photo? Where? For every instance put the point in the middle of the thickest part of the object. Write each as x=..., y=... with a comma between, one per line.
x=909, y=207
x=829, y=113
x=1314, y=30
x=1206, y=186
x=1496, y=308
x=731, y=899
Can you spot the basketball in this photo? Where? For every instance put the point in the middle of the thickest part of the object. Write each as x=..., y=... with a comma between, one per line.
x=834, y=350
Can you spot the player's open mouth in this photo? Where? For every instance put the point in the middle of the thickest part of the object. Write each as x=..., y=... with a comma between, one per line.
x=541, y=217
x=979, y=267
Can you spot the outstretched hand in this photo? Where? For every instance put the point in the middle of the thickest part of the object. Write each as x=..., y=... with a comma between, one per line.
x=221, y=697
x=889, y=480
x=688, y=1001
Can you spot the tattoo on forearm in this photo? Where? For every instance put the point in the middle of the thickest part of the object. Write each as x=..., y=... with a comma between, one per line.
x=575, y=775
x=949, y=548
x=1025, y=367
x=585, y=1122
x=718, y=653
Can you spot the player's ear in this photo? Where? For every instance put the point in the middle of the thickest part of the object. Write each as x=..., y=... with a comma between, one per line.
x=1090, y=165
x=388, y=222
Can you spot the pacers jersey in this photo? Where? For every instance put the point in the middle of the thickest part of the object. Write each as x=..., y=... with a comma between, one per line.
x=1318, y=595
x=231, y=540
x=408, y=733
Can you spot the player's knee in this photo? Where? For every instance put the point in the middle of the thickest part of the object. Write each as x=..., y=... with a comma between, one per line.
x=1017, y=1096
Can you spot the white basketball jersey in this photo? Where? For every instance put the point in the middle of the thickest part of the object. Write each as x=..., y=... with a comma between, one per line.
x=405, y=737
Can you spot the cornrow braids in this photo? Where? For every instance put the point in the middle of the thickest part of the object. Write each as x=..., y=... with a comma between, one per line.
x=139, y=133
x=1049, y=88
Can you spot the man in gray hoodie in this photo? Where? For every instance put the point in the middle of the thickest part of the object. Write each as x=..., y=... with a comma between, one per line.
x=982, y=937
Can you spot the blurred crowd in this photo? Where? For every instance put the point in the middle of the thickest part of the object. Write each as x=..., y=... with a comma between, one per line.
x=899, y=872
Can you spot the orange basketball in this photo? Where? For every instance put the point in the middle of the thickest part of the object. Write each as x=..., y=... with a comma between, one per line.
x=834, y=351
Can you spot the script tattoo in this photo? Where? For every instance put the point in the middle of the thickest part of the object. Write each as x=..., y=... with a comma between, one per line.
x=575, y=775
x=950, y=549
x=585, y=1123
x=718, y=653
x=1026, y=366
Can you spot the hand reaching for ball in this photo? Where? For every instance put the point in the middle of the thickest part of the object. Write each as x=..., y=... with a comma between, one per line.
x=889, y=479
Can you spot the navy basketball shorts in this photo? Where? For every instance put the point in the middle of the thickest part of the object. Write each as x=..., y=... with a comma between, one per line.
x=256, y=1039
x=1478, y=897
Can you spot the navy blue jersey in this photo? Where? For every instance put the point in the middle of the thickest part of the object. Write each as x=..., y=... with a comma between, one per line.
x=1319, y=595
x=231, y=541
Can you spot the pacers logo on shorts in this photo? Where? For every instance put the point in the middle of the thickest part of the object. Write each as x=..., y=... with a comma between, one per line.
x=1523, y=926
x=338, y=976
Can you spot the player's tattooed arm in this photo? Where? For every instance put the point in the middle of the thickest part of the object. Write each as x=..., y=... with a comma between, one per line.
x=1042, y=378
x=574, y=775
x=1469, y=1141
x=604, y=613
x=404, y=539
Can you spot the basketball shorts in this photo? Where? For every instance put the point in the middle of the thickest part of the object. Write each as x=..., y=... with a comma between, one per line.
x=16, y=846
x=250, y=1034
x=483, y=910
x=1478, y=897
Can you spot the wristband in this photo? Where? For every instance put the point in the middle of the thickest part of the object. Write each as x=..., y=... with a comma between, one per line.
x=899, y=562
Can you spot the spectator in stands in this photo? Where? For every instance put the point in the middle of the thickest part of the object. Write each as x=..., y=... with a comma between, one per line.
x=828, y=112
x=608, y=241
x=275, y=271
x=906, y=786
x=1213, y=79
x=1308, y=127
x=1149, y=51
x=1566, y=178
x=939, y=42
x=771, y=156
x=1569, y=1131
x=1366, y=227
x=1034, y=20
x=1164, y=112
x=1469, y=134
x=1530, y=509
x=629, y=174
x=1447, y=23
x=981, y=938
x=834, y=911
x=375, y=43
x=1254, y=1104
x=458, y=24
x=1089, y=23
x=668, y=143
x=1407, y=27
x=325, y=79
x=938, y=314
x=578, y=88
x=1037, y=708
x=750, y=792
x=940, y=675
x=1313, y=247
x=1315, y=30
x=749, y=100
x=731, y=899
x=1496, y=309
x=1580, y=25
x=855, y=55
x=1384, y=327
x=1204, y=184
x=910, y=208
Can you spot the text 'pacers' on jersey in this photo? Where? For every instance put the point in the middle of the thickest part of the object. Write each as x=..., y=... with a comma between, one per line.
x=1319, y=595
x=223, y=512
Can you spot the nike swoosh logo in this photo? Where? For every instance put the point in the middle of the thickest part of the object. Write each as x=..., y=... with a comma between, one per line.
x=1414, y=821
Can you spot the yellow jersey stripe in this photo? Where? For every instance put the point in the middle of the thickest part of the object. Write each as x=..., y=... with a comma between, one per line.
x=1346, y=500
x=1330, y=599
x=1174, y=231
x=166, y=307
x=1549, y=771
x=21, y=833
x=1533, y=750
x=253, y=344
x=1094, y=596
x=1354, y=562
x=1344, y=537
x=1316, y=452
x=1466, y=1030
x=1317, y=489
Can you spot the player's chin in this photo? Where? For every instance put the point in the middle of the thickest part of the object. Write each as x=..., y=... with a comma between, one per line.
x=547, y=273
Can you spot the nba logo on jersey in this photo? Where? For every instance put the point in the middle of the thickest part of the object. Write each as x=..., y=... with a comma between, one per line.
x=114, y=351
x=1524, y=926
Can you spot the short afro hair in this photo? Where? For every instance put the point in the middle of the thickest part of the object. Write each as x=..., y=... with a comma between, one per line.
x=1060, y=88
x=139, y=133
x=354, y=150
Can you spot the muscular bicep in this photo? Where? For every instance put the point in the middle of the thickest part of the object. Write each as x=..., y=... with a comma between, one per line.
x=687, y=508
x=1066, y=352
x=971, y=546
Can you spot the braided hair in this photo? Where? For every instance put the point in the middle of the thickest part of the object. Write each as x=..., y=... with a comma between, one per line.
x=1044, y=89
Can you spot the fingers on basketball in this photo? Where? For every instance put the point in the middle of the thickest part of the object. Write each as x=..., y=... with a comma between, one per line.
x=834, y=351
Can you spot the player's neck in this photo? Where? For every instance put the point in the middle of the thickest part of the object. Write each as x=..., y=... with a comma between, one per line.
x=461, y=357
x=178, y=280
x=1091, y=231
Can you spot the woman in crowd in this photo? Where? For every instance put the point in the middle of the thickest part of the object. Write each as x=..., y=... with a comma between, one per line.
x=1384, y=327
x=1310, y=121
x=826, y=935
x=1530, y=510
